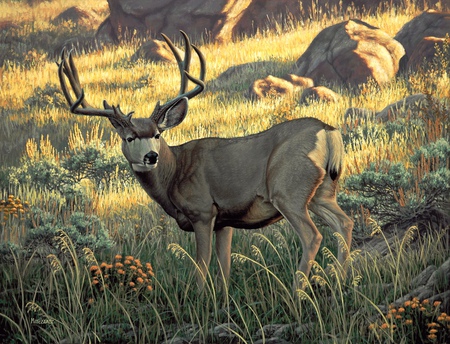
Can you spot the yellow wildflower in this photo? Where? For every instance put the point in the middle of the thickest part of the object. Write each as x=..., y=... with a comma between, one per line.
x=140, y=280
x=432, y=336
x=132, y=284
x=119, y=265
x=385, y=326
x=129, y=257
x=127, y=262
x=408, y=322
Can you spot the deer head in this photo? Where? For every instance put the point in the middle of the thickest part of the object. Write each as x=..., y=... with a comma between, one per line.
x=141, y=137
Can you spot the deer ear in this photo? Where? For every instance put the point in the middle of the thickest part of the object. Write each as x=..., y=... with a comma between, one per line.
x=173, y=115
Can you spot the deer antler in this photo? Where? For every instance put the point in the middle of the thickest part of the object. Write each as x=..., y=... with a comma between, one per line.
x=67, y=69
x=183, y=65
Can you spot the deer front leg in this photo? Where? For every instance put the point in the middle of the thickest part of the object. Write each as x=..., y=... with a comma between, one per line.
x=223, y=249
x=203, y=239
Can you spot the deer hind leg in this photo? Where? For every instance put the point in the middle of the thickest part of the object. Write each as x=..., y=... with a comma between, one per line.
x=223, y=250
x=291, y=191
x=324, y=204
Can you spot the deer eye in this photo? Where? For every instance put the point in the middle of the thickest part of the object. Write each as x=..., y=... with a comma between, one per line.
x=130, y=139
x=157, y=136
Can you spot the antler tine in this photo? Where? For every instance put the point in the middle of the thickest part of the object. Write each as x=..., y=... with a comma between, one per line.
x=184, y=65
x=67, y=68
x=198, y=81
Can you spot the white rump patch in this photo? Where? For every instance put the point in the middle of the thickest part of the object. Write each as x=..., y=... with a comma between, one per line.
x=319, y=155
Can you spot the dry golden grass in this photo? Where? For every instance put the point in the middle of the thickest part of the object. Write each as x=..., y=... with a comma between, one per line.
x=222, y=110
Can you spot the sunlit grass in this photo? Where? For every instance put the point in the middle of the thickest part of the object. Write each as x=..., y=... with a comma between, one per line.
x=264, y=261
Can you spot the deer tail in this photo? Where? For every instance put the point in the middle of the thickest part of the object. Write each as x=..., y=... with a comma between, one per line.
x=335, y=154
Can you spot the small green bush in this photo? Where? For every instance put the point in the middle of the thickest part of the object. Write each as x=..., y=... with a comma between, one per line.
x=396, y=194
x=45, y=98
x=84, y=231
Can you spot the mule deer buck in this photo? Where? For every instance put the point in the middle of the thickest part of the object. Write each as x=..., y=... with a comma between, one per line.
x=213, y=184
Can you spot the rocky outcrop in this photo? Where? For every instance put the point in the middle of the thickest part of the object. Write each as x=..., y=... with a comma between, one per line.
x=155, y=50
x=218, y=20
x=274, y=86
x=424, y=52
x=78, y=16
x=318, y=93
x=412, y=106
x=429, y=24
x=349, y=53
x=409, y=106
x=214, y=20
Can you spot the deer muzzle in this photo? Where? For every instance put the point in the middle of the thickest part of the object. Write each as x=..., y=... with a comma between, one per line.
x=151, y=158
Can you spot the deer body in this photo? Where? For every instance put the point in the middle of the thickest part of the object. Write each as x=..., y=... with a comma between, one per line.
x=211, y=185
x=221, y=170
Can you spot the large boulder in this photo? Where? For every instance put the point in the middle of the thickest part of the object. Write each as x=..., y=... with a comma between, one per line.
x=274, y=86
x=155, y=50
x=215, y=20
x=424, y=52
x=350, y=53
x=428, y=24
x=318, y=93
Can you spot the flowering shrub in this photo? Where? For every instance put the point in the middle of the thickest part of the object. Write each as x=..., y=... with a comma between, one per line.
x=126, y=276
x=12, y=207
x=420, y=322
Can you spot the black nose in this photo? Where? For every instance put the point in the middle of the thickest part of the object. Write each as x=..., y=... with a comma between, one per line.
x=151, y=158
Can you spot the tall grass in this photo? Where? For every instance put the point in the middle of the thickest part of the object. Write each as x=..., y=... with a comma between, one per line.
x=55, y=299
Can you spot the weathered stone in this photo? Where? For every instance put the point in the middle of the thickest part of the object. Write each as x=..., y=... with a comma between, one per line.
x=76, y=15
x=155, y=50
x=429, y=24
x=227, y=330
x=440, y=277
x=299, y=81
x=350, y=53
x=270, y=85
x=423, y=277
x=318, y=93
x=410, y=105
x=424, y=52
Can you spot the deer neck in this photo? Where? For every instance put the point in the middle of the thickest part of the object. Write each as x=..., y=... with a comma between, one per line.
x=158, y=181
